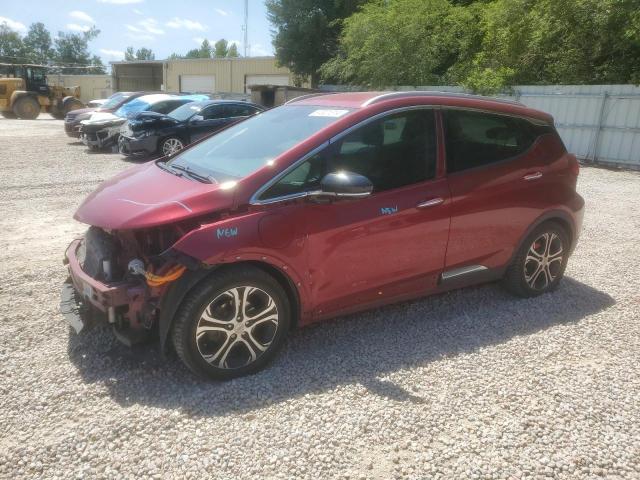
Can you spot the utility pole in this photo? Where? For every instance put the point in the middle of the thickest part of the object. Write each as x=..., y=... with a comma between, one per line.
x=245, y=27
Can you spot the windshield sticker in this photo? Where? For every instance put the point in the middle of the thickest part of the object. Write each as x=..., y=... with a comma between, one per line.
x=328, y=113
x=227, y=232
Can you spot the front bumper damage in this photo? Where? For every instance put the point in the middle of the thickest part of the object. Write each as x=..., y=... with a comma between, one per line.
x=85, y=300
x=96, y=137
x=134, y=146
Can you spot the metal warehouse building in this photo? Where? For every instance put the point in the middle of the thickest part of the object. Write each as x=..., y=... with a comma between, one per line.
x=205, y=75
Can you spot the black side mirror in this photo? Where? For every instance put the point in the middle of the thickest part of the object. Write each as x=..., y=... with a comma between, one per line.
x=345, y=185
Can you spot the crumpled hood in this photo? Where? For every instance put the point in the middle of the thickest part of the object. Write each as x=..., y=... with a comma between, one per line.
x=146, y=196
x=80, y=111
x=102, y=117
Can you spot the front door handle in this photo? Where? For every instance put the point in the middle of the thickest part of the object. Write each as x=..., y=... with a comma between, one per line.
x=532, y=176
x=431, y=203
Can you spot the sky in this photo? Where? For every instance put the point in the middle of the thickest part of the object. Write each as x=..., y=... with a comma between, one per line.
x=164, y=26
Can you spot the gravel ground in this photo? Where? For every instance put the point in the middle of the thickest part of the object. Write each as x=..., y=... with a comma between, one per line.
x=469, y=384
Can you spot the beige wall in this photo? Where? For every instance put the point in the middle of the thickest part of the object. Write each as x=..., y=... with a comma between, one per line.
x=137, y=77
x=91, y=86
x=229, y=74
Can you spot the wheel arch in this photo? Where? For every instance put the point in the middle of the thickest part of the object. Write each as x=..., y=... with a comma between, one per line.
x=177, y=292
x=557, y=216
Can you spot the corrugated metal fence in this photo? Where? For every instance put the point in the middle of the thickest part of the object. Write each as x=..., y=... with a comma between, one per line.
x=599, y=123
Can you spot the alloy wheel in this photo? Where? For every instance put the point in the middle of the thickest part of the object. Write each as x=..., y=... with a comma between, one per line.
x=237, y=327
x=171, y=146
x=543, y=262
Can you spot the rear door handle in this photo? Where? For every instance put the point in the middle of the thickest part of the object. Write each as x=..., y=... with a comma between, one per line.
x=532, y=176
x=430, y=203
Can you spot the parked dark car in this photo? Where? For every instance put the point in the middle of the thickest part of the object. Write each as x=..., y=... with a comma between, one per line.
x=103, y=129
x=149, y=132
x=74, y=117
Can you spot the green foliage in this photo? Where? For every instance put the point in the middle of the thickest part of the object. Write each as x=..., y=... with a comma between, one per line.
x=73, y=49
x=129, y=54
x=406, y=42
x=307, y=31
x=141, y=54
x=221, y=48
x=233, y=51
x=489, y=45
x=12, y=48
x=205, y=49
x=37, y=43
x=569, y=41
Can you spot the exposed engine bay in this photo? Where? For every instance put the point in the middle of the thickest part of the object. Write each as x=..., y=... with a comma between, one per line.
x=123, y=275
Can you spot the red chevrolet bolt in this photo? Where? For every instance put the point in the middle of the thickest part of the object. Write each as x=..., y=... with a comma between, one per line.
x=326, y=205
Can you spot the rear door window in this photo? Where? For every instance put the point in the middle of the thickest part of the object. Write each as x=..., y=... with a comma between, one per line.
x=240, y=110
x=475, y=139
x=214, y=112
x=167, y=106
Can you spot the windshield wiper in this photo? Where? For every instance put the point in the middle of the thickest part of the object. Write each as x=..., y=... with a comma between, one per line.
x=164, y=166
x=195, y=175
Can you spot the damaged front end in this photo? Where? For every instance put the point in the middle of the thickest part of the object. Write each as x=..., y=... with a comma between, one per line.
x=119, y=277
x=101, y=135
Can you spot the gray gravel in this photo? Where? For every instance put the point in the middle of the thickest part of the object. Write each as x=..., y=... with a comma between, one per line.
x=470, y=384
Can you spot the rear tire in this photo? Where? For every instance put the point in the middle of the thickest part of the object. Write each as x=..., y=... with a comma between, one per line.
x=232, y=324
x=26, y=108
x=72, y=104
x=539, y=264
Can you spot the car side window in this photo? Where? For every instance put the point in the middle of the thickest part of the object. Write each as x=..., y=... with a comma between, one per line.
x=166, y=106
x=214, y=112
x=240, y=110
x=475, y=139
x=304, y=178
x=392, y=152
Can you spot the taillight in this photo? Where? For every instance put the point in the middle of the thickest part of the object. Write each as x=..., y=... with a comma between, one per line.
x=574, y=166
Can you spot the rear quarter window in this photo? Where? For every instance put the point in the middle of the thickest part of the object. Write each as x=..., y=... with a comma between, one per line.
x=475, y=139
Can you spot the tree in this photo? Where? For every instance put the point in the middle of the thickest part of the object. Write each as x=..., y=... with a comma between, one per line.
x=205, y=49
x=145, y=54
x=129, y=54
x=220, y=48
x=141, y=54
x=193, y=53
x=37, y=43
x=573, y=41
x=307, y=31
x=406, y=42
x=72, y=50
x=12, y=48
x=233, y=51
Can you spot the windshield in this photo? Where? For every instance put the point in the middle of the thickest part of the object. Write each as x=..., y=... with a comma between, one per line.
x=114, y=100
x=134, y=106
x=185, y=112
x=242, y=149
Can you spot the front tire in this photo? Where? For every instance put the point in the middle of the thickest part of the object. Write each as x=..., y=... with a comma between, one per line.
x=26, y=108
x=170, y=145
x=233, y=324
x=539, y=265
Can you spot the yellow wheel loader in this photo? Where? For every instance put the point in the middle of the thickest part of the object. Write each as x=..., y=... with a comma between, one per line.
x=24, y=93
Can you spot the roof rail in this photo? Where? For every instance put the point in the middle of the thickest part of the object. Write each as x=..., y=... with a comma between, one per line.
x=433, y=93
x=310, y=95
